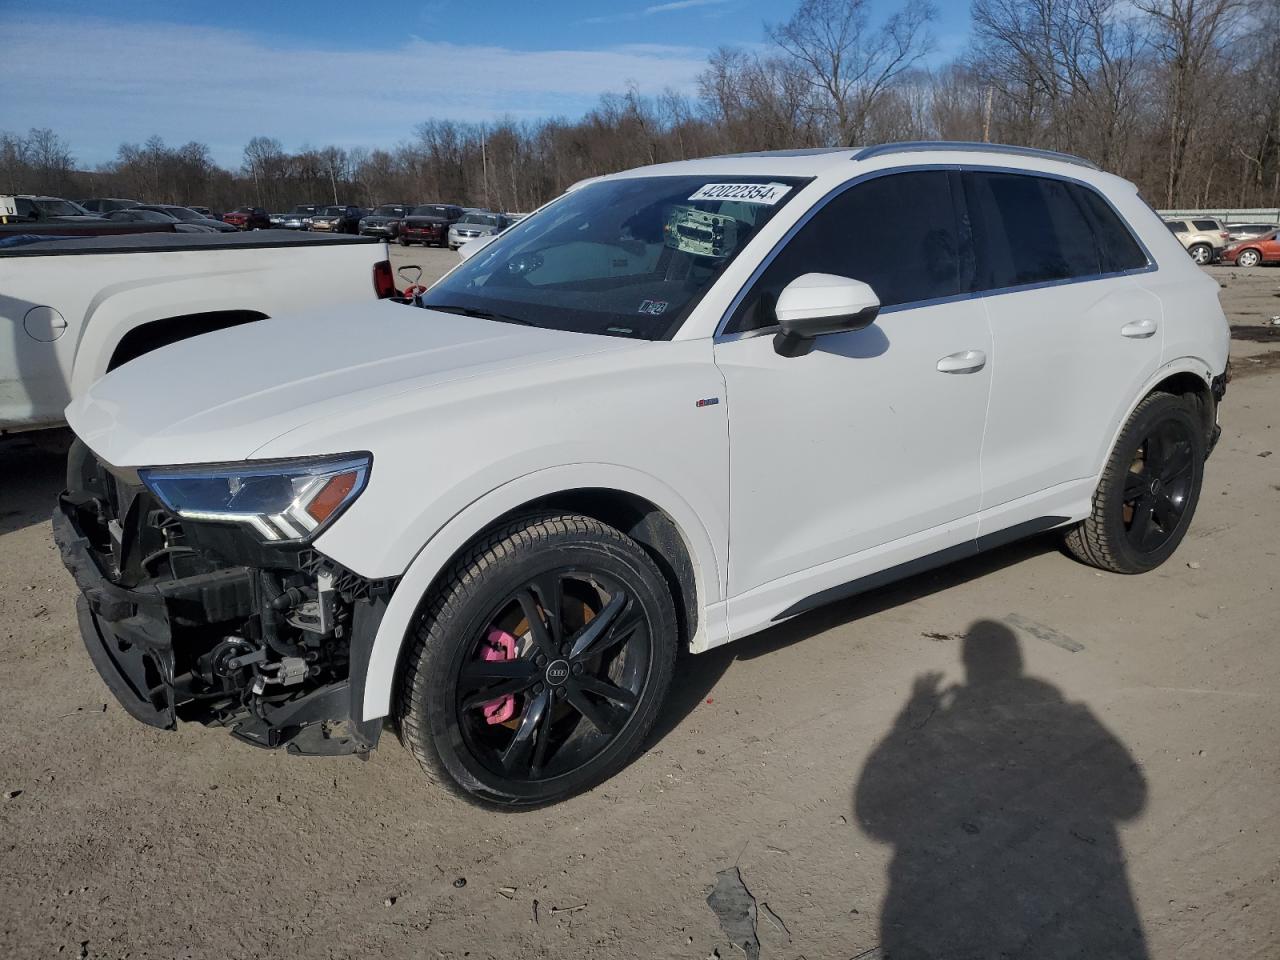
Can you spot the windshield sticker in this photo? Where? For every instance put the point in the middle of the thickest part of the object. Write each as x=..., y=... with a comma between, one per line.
x=766, y=193
x=655, y=308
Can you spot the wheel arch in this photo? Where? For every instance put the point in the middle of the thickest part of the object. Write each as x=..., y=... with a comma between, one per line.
x=1188, y=377
x=652, y=514
x=154, y=334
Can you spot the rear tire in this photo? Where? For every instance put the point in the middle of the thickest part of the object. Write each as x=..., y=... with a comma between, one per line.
x=507, y=696
x=1148, y=492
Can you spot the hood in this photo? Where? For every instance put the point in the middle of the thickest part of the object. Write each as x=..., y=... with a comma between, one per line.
x=222, y=396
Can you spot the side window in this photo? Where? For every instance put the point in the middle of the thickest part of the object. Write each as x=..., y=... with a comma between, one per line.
x=1027, y=229
x=1208, y=226
x=897, y=233
x=1117, y=248
x=1176, y=228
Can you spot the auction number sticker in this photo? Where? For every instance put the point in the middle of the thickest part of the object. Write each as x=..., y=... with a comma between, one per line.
x=766, y=193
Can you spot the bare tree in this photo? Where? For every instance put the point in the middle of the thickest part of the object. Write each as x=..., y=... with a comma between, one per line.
x=848, y=61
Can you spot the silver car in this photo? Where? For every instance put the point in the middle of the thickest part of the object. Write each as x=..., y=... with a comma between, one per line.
x=476, y=224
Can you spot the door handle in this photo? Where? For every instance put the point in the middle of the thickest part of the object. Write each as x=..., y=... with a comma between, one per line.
x=966, y=361
x=1138, y=329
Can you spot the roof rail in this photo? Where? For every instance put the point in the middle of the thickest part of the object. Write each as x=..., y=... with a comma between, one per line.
x=913, y=146
x=796, y=152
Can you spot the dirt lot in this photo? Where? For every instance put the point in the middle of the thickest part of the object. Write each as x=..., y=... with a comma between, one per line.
x=1016, y=740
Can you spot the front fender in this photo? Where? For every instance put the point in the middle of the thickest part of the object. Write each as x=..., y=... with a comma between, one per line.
x=459, y=530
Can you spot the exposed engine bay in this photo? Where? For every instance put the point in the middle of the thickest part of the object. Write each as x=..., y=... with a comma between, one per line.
x=198, y=621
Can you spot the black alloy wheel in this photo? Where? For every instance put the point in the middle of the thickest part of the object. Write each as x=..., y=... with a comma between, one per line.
x=541, y=662
x=1149, y=488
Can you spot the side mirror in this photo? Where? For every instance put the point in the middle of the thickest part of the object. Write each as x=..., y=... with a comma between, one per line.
x=472, y=247
x=816, y=304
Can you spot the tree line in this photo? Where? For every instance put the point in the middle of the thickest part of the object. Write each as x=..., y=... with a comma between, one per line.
x=1180, y=96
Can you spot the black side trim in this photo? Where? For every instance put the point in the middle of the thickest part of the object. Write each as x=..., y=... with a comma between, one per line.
x=923, y=564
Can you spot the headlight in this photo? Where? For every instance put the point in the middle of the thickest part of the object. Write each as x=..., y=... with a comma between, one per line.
x=281, y=500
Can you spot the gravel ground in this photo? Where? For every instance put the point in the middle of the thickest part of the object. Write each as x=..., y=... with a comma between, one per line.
x=1017, y=739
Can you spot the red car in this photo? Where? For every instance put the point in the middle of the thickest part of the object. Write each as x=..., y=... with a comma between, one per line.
x=248, y=218
x=429, y=224
x=1255, y=250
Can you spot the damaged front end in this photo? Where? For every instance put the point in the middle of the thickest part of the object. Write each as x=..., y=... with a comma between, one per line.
x=221, y=617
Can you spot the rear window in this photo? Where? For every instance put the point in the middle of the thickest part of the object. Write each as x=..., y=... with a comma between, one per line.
x=1028, y=230
x=1211, y=225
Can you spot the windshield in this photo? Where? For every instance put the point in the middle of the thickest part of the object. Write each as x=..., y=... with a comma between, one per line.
x=389, y=212
x=431, y=210
x=488, y=219
x=60, y=208
x=627, y=258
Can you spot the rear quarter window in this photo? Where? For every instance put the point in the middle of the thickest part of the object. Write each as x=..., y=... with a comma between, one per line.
x=1117, y=248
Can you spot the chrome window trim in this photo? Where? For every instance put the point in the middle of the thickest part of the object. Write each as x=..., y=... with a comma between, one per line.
x=1150, y=267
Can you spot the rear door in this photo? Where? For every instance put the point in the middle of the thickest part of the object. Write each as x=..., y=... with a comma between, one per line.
x=1075, y=337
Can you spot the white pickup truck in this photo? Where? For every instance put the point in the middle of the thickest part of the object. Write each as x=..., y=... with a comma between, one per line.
x=72, y=308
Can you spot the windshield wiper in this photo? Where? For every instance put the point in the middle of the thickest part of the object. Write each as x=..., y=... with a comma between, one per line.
x=479, y=314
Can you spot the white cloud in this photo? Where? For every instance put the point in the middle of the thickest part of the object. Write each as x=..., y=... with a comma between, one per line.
x=113, y=82
x=681, y=5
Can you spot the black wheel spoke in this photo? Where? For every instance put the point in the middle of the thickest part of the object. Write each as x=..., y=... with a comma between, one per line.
x=490, y=694
x=1140, y=528
x=596, y=714
x=1177, y=463
x=548, y=588
x=537, y=625
x=607, y=690
x=479, y=671
x=516, y=757
x=1135, y=485
x=590, y=635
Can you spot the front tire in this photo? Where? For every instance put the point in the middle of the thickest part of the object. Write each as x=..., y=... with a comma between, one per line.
x=1149, y=489
x=1201, y=253
x=540, y=664
x=1248, y=258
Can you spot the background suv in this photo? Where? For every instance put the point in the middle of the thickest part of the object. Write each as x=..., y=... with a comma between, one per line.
x=1203, y=238
x=337, y=219
x=384, y=221
x=429, y=223
x=248, y=218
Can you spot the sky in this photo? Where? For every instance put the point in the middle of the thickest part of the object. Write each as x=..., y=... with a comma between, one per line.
x=352, y=74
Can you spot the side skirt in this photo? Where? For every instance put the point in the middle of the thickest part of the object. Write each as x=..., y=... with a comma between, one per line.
x=923, y=564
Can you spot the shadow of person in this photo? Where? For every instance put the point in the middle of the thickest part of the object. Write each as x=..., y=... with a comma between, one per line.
x=1000, y=799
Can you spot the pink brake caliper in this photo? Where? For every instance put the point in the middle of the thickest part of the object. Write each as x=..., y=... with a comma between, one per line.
x=499, y=645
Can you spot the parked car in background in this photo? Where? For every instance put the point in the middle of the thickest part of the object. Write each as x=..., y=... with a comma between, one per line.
x=676, y=407
x=1254, y=251
x=337, y=219
x=107, y=204
x=1247, y=231
x=187, y=215
x=1203, y=238
x=136, y=293
x=36, y=209
x=474, y=224
x=139, y=215
x=248, y=218
x=384, y=221
x=429, y=224
x=299, y=218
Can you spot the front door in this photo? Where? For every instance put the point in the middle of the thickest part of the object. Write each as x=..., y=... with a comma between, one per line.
x=875, y=436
